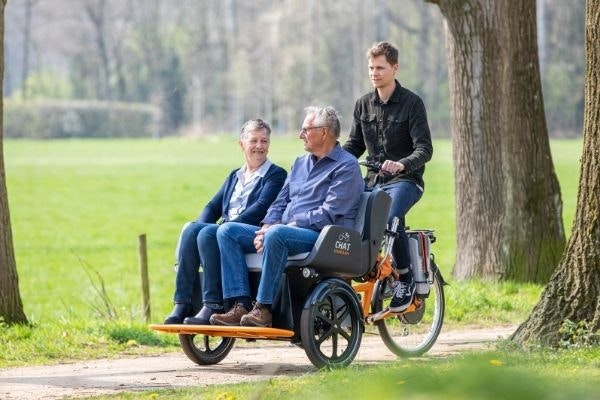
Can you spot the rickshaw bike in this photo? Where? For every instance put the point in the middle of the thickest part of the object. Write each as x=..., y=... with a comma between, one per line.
x=329, y=297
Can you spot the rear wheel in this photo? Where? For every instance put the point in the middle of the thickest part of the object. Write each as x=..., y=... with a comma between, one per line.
x=204, y=349
x=331, y=325
x=411, y=334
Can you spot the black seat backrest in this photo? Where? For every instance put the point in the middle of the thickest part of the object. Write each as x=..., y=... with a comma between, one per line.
x=359, y=222
x=375, y=220
x=351, y=252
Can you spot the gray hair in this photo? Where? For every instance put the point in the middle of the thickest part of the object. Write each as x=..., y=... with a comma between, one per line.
x=254, y=125
x=326, y=116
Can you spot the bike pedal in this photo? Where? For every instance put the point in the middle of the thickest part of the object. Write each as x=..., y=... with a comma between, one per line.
x=379, y=315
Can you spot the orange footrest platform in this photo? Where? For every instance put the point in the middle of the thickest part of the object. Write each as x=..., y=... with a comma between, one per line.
x=247, y=332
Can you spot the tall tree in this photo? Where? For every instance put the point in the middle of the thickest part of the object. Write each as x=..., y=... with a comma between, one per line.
x=95, y=11
x=574, y=290
x=29, y=4
x=11, y=307
x=509, y=209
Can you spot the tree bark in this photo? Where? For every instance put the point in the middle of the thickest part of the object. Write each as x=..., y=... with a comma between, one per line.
x=11, y=307
x=574, y=289
x=509, y=210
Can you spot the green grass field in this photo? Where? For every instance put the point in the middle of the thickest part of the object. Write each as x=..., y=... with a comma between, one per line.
x=493, y=375
x=84, y=202
x=78, y=203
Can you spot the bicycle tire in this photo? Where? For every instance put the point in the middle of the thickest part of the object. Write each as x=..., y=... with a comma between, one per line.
x=412, y=335
x=204, y=349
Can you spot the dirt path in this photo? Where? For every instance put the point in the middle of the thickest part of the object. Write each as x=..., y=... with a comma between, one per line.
x=175, y=369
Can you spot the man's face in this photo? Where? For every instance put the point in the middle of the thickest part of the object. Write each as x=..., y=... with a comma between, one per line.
x=381, y=72
x=256, y=147
x=312, y=134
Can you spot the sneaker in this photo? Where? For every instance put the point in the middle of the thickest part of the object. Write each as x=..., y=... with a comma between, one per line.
x=403, y=296
x=390, y=287
x=259, y=316
x=231, y=317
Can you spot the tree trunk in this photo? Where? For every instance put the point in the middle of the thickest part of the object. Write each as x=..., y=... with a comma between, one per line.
x=11, y=307
x=574, y=290
x=509, y=211
x=231, y=32
x=96, y=13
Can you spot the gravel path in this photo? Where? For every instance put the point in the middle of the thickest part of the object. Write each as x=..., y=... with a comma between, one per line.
x=173, y=370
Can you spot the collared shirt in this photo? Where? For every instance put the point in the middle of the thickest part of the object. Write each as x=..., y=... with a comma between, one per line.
x=396, y=130
x=319, y=192
x=243, y=188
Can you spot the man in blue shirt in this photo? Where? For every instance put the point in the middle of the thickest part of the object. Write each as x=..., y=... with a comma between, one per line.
x=323, y=188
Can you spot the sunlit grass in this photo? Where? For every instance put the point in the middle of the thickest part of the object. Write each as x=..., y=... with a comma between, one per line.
x=78, y=340
x=497, y=374
x=84, y=202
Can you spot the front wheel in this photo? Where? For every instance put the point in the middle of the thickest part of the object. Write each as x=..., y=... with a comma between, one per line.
x=206, y=350
x=411, y=334
x=331, y=325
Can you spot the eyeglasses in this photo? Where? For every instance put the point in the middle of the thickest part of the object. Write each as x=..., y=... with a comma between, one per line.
x=304, y=131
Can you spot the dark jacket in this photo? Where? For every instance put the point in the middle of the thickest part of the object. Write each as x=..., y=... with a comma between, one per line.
x=396, y=130
x=260, y=199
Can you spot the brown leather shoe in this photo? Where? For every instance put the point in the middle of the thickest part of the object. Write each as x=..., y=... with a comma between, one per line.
x=231, y=317
x=259, y=316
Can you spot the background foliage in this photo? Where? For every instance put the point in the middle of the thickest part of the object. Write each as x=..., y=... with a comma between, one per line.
x=209, y=65
x=51, y=119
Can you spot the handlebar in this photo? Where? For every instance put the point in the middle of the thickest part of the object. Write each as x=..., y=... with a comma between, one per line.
x=370, y=164
x=376, y=166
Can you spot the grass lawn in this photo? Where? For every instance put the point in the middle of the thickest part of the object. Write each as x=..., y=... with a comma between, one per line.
x=494, y=375
x=79, y=205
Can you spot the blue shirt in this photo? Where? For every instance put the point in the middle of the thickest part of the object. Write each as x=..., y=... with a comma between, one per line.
x=321, y=192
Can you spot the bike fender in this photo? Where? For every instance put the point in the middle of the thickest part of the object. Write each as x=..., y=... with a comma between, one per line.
x=322, y=287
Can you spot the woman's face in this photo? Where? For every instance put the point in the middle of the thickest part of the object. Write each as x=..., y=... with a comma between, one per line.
x=256, y=147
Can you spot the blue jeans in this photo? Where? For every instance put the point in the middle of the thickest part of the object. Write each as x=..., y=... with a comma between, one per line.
x=235, y=239
x=198, y=247
x=404, y=195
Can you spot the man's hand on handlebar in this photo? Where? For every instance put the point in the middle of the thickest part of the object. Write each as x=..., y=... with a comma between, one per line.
x=387, y=167
x=392, y=167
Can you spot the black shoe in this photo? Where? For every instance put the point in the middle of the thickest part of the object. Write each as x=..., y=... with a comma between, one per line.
x=403, y=296
x=203, y=317
x=180, y=311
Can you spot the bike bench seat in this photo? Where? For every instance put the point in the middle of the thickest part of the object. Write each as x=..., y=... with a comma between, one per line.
x=341, y=251
x=254, y=260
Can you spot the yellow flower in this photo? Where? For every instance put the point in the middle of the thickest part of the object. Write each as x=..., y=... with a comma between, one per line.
x=225, y=396
x=496, y=363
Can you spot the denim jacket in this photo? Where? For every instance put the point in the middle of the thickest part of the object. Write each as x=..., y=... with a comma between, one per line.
x=396, y=130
